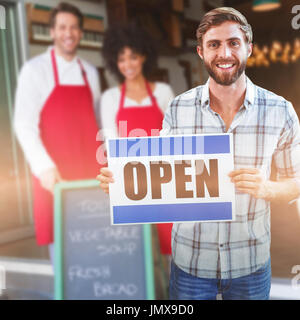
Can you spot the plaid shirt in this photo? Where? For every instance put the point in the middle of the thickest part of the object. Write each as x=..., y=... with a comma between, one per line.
x=265, y=127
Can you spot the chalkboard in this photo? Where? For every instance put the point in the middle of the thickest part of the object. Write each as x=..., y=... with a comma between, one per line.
x=93, y=259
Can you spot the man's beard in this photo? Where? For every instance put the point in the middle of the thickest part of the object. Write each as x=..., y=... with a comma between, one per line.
x=226, y=78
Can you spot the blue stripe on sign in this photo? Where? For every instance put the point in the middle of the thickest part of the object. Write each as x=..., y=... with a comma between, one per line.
x=172, y=212
x=123, y=147
x=199, y=145
x=154, y=142
x=113, y=148
x=178, y=143
x=164, y=146
x=188, y=145
x=216, y=144
x=138, y=147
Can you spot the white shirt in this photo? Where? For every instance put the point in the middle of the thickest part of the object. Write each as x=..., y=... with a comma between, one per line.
x=35, y=84
x=110, y=102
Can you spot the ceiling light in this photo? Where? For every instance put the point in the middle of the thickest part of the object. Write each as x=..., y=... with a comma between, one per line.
x=265, y=5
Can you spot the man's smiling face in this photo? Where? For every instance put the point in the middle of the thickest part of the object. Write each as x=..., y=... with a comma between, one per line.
x=66, y=33
x=225, y=52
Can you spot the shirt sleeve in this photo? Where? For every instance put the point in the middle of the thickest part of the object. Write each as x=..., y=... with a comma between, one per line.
x=108, y=112
x=287, y=153
x=95, y=86
x=167, y=95
x=167, y=126
x=28, y=105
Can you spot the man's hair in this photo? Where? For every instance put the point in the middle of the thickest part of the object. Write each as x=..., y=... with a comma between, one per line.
x=217, y=16
x=69, y=8
x=133, y=36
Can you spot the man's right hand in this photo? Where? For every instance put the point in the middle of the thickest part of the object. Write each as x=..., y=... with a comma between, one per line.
x=105, y=177
x=49, y=178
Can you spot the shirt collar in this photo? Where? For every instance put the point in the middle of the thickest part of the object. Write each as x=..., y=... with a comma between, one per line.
x=61, y=59
x=249, y=98
x=204, y=99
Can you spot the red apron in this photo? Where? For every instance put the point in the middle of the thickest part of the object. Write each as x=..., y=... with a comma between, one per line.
x=145, y=118
x=68, y=131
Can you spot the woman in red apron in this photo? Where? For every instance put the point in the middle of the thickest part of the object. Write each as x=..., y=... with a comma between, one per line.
x=129, y=54
x=68, y=131
x=145, y=118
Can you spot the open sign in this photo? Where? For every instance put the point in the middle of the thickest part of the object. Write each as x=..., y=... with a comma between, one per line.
x=171, y=179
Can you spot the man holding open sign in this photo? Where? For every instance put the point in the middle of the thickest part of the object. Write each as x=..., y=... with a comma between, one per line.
x=232, y=258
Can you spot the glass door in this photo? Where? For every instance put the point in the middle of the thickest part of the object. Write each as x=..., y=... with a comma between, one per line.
x=15, y=182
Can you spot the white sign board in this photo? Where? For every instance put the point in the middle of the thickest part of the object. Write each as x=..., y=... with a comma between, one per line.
x=171, y=179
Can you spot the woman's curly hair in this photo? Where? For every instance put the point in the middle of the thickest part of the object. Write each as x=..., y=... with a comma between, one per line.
x=117, y=37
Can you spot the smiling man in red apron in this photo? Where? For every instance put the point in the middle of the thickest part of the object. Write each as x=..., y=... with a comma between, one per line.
x=54, y=116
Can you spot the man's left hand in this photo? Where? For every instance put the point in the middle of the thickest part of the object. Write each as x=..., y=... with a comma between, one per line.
x=251, y=181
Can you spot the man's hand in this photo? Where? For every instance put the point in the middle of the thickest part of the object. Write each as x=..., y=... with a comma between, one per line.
x=49, y=178
x=105, y=177
x=250, y=180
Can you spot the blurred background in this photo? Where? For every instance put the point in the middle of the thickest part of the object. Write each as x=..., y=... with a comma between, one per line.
x=274, y=65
